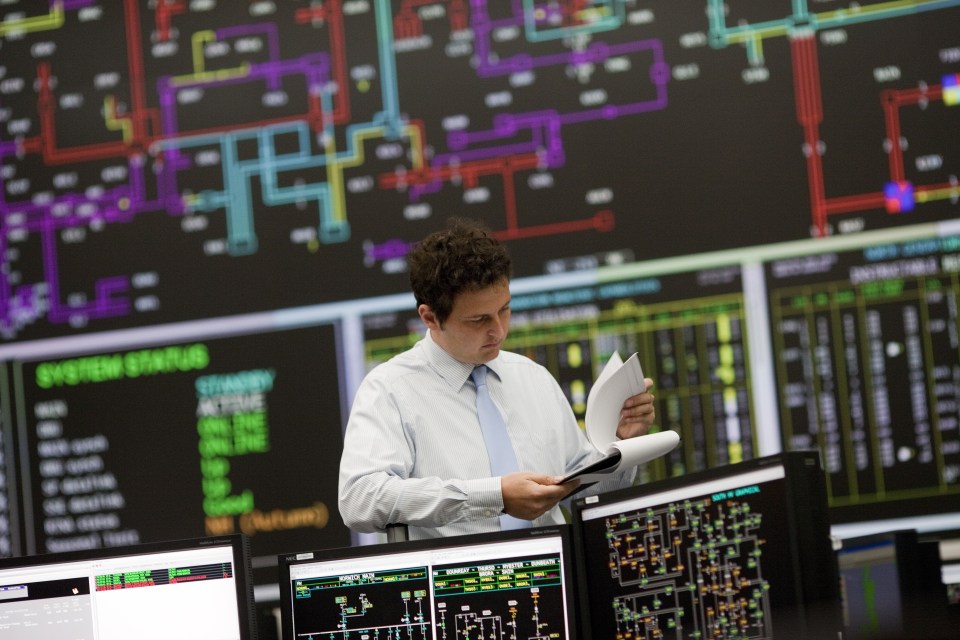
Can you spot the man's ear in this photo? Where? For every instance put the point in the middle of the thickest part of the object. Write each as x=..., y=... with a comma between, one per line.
x=428, y=317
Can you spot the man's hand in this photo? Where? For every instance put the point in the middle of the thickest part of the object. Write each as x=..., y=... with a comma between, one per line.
x=637, y=414
x=530, y=495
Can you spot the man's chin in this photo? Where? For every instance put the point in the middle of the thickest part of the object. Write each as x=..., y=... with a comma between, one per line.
x=490, y=353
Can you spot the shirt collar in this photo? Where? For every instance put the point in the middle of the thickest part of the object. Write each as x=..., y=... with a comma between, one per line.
x=456, y=373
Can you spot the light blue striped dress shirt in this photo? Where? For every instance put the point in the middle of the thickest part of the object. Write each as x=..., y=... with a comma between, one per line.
x=414, y=454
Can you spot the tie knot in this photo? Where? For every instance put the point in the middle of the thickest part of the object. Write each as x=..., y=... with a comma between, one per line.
x=479, y=375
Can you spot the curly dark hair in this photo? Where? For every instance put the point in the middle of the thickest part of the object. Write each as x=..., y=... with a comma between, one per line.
x=464, y=257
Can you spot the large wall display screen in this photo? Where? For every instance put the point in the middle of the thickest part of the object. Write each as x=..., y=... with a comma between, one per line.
x=666, y=176
x=230, y=141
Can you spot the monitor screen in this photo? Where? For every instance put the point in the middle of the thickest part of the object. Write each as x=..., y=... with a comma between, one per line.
x=866, y=344
x=871, y=585
x=196, y=589
x=949, y=547
x=737, y=551
x=892, y=586
x=512, y=584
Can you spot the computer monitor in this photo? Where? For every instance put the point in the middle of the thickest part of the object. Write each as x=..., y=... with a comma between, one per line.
x=891, y=587
x=949, y=546
x=511, y=584
x=196, y=589
x=740, y=551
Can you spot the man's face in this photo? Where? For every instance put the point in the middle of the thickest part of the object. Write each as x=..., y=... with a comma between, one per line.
x=477, y=325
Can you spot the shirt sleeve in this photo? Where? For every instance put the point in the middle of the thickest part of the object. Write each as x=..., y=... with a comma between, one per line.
x=376, y=487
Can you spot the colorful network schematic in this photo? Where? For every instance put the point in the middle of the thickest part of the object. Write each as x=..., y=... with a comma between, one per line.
x=517, y=598
x=738, y=552
x=171, y=160
x=690, y=570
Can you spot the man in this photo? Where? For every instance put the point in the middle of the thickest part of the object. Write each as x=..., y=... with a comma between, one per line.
x=414, y=453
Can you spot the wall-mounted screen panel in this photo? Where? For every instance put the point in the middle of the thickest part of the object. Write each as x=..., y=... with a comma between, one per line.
x=166, y=441
x=9, y=505
x=868, y=367
x=231, y=141
x=689, y=331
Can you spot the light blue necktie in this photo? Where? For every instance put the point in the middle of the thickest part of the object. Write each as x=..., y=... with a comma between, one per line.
x=503, y=460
